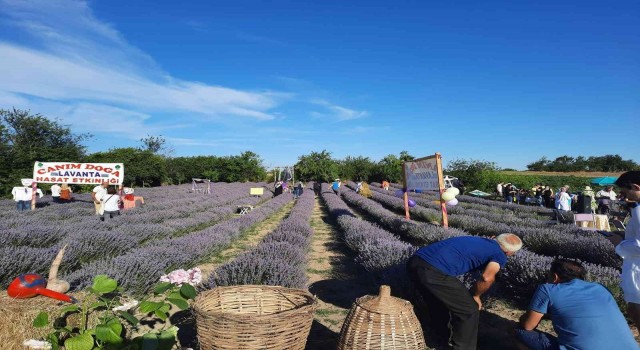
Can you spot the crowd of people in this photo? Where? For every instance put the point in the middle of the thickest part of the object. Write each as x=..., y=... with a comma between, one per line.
x=584, y=314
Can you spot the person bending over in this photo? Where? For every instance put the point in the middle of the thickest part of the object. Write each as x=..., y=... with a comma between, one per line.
x=433, y=270
x=584, y=314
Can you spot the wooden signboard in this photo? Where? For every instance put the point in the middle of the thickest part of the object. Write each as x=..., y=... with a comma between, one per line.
x=424, y=174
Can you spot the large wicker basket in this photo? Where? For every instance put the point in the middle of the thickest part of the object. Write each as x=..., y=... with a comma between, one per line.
x=381, y=322
x=254, y=317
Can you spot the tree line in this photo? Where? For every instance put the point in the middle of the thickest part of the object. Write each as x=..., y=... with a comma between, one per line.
x=606, y=163
x=26, y=138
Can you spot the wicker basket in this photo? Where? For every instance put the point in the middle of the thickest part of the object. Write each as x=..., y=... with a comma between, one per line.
x=254, y=317
x=381, y=322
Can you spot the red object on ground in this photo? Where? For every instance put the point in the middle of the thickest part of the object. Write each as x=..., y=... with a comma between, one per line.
x=31, y=284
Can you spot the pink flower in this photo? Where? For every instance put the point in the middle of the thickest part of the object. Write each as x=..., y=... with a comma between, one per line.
x=179, y=277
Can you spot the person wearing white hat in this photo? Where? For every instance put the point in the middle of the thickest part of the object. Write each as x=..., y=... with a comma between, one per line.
x=129, y=199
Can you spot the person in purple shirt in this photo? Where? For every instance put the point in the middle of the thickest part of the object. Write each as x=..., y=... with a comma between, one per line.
x=433, y=270
x=584, y=314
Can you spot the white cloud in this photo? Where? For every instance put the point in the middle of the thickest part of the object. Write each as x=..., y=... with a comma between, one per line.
x=79, y=59
x=337, y=112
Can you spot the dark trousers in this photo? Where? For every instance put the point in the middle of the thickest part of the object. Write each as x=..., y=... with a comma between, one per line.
x=447, y=301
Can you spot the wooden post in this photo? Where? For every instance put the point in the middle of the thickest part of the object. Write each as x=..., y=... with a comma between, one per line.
x=443, y=205
x=406, y=192
x=34, y=188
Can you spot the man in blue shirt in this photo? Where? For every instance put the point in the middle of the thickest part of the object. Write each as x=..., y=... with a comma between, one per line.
x=584, y=314
x=433, y=270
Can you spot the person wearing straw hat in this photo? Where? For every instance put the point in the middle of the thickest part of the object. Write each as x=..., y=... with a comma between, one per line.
x=629, y=248
x=433, y=270
x=589, y=192
x=129, y=200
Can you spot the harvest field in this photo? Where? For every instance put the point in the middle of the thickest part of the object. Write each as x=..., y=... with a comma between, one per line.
x=340, y=247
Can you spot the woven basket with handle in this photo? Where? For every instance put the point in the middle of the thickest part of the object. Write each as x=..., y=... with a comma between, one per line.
x=254, y=317
x=381, y=322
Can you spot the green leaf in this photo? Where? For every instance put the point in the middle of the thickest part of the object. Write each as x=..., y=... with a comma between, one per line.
x=97, y=304
x=165, y=307
x=176, y=295
x=167, y=339
x=42, y=320
x=162, y=287
x=79, y=342
x=103, y=284
x=150, y=341
x=149, y=306
x=188, y=291
x=110, y=332
x=180, y=303
x=70, y=308
x=161, y=315
x=129, y=317
x=53, y=339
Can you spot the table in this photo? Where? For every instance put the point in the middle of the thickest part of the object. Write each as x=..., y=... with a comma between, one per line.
x=601, y=223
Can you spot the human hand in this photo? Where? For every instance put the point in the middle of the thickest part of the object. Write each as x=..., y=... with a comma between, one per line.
x=478, y=301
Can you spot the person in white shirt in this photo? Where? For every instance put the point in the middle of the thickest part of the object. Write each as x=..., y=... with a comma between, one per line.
x=22, y=195
x=55, y=193
x=110, y=203
x=629, y=248
x=563, y=200
x=97, y=193
x=604, y=198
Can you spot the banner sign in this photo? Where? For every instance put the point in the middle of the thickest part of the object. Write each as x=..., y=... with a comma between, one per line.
x=78, y=173
x=422, y=174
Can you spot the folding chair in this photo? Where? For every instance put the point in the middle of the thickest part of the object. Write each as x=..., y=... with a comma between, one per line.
x=578, y=218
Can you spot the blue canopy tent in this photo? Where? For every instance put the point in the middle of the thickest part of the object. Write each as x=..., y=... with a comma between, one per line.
x=604, y=181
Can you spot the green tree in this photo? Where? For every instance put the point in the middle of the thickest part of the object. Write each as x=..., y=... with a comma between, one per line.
x=389, y=168
x=141, y=167
x=357, y=168
x=317, y=166
x=474, y=173
x=26, y=138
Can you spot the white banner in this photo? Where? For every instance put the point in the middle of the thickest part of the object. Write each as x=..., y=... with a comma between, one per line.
x=78, y=173
x=422, y=175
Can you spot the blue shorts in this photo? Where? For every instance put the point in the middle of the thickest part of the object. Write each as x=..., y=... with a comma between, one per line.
x=537, y=340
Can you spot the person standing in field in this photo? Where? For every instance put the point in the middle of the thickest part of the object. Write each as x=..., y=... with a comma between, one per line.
x=129, y=200
x=97, y=193
x=629, y=248
x=563, y=200
x=55, y=193
x=336, y=186
x=499, y=189
x=584, y=314
x=385, y=185
x=110, y=203
x=433, y=270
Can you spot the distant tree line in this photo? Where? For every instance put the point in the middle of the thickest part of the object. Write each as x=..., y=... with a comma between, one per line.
x=606, y=163
x=26, y=138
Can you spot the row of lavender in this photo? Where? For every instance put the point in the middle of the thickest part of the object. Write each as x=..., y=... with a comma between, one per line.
x=558, y=240
x=521, y=275
x=92, y=240
x=137, y=270
x=279, y=259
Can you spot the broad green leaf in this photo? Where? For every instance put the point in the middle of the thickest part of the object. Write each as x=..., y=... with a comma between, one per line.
x=53, y=339
x=79, y=342
x=42, y=320
x=161, y=315
x=180, y=303
x=162, y=287
x=129, y=317
x=188, y=291
x=115, y=325
x=150, y=341
x=176, y=295
x=70, y=308
x=167, y=339
x=106, y=334
x=149, y=306
x=103, y=284
x=165, y=307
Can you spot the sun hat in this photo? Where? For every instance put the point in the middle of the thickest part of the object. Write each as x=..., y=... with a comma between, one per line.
x=587, y=188
x=128, y=190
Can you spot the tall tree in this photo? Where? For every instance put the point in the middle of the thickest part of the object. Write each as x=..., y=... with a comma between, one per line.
x=316, y=166
x=357, y=168
x=141, y=167
x=27, y=138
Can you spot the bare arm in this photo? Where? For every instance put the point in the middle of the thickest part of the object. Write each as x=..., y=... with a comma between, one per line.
x=530, y=320
x=484, y=283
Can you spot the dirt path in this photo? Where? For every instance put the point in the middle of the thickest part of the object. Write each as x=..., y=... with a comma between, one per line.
x=248, y=240
x=334, y=279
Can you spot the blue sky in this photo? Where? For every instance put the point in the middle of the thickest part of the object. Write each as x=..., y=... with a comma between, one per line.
x=503, y=81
